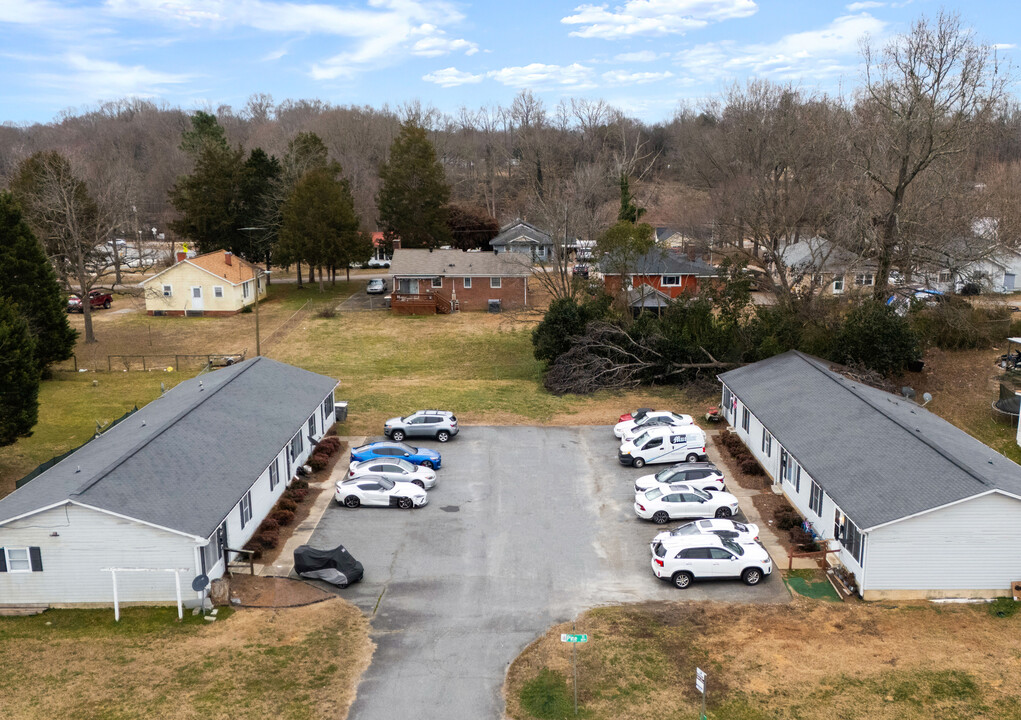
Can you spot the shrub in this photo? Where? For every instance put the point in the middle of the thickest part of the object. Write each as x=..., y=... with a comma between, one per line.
x=956, y=325
x=875, y=337
x=318, y=461
x=787, y=521
x=563, y=321
x=269, y=523
x=298, y=495
x=253, y=546
x=326, y=310
x=751, y=467
x=299, y=484
x=329, y=444
x=546, y=696
x=246, y=309
x=285, y=503
x=267, y=539
x=282, y=517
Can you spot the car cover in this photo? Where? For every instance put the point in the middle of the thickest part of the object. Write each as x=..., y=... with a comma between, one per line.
x=335, y=566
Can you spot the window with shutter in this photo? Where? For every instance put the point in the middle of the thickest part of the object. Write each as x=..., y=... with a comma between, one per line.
x=18, y=560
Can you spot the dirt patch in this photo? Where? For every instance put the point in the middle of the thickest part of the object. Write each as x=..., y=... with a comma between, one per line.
x=256, y=591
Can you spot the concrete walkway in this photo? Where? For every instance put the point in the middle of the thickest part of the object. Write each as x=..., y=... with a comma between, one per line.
x=767, y=534
x=284, y=565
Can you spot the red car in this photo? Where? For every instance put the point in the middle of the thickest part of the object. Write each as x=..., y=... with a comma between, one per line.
x=97, y=299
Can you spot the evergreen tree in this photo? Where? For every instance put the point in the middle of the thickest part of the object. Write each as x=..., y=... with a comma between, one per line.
x=629, y=210
x=319, y=225
x=471, y=227
x=205, y=130
x=209, y=201
x=19, y=376
x=413, y=198
x=27, y=280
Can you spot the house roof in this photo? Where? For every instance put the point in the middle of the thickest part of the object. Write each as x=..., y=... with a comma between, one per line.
x=215, y=263
x=881, y=458
x=521, y=232
x=663, y=261
x=646, y=296
x=454, y=263
x=820, y=255
x=665, y=233
x=184, y=461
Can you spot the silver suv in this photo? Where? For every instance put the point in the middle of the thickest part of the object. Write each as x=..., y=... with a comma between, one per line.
x=439, y=424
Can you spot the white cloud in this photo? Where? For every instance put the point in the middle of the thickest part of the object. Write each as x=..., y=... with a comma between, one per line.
x=539, y=76
x=623, y=77
x=101, y=79
x=275, y=55
x=654, y=17
x=1004, y=46
x=868, y=5
x=439, y=45
x=641, y=56
x=452, y=77
x=812, y=54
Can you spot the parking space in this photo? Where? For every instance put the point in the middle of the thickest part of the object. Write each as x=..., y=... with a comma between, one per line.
x=526, y=527
x=361, y=301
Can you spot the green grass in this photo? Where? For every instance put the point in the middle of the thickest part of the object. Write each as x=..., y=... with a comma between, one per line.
x=548, y=696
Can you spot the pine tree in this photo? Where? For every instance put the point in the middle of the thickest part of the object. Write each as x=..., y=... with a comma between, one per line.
x=413, y=197
x=19, y=376
x=27, y=280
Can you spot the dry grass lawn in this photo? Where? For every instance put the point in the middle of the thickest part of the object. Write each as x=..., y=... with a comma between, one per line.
x=806, y=660
x=294, y=664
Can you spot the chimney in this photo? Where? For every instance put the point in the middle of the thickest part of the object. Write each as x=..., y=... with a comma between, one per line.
x=227, y=256
x=181, y=255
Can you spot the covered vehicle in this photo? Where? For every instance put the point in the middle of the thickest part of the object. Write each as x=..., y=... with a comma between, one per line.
x=336, y=566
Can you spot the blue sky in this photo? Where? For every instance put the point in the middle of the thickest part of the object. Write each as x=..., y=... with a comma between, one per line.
x=644, y=56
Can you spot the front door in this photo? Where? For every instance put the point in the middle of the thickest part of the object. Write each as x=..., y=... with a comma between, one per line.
x=196, y=298
x=1008, y=282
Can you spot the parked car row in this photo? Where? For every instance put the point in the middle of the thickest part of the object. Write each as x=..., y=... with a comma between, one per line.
x=713, y=545
x=391, y=473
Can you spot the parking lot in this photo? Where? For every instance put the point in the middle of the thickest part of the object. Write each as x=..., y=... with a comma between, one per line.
x=526, y=527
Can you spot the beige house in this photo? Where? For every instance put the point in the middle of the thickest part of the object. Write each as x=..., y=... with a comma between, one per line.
x=216, y=283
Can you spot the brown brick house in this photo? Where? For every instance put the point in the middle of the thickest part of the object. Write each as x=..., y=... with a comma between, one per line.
x=430, y=281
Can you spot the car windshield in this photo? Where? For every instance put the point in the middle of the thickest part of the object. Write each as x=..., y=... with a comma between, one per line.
x=653, y=494
x=686, y=529
x=733, y=547
x=637, y=442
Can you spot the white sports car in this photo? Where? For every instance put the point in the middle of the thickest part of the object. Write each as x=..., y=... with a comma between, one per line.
x=741, y=533
x=629, y=428
x=708, y=480
x=662, y=504
x=377, y=491
x=397, y=469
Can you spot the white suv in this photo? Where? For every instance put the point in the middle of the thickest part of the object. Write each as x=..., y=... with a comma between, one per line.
x=439, y=424
x=702, y=557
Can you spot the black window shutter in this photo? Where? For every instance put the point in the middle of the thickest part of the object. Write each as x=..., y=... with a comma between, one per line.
x=36, y=559
x=3, y=560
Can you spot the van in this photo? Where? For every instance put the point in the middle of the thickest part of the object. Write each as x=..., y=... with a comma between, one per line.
x=664, y=445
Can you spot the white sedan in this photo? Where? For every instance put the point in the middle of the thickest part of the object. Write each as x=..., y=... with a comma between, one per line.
x=662, y=504
x=629, y=428
x=708, y=480
x=397, y=469
x=377, y=491
x=741, y=533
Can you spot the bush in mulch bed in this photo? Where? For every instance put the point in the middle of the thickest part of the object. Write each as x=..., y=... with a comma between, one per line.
x=318, y=461
x=328, y=445
x=298, y=495
x=285, y=503
x=282, y=517
x=746, y=462
x=299, y=484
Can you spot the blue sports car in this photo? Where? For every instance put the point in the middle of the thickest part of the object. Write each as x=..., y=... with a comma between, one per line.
x=384, y=450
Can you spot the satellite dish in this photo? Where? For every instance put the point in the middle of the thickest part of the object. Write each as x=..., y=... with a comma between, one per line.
x=927, y=398
x=200, y=583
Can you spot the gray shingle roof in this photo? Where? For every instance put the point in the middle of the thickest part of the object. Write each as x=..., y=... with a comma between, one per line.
x=879, y=456
x=521, y=231
x=454, y=263
x=185, y=460
x=663, y=261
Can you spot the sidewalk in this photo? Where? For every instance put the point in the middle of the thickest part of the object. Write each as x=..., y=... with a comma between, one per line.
x=301, y=535
x=767, y=535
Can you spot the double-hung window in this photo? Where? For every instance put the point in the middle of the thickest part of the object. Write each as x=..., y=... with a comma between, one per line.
x=274, y=474
x=838, y=284
x=168, y=291
x=246, y=509
x=767, y=442
x=218, y=291
x=815, y=500
x=467, y=283
x=19, y=559
x=495, y=282
x=671, y=280
x=295, y=446
x=849, y=535
x=864, y=279
x=312, y=426
x=437, y=282
x=745, y=419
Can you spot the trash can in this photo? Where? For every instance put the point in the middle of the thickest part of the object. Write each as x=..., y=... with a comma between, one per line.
x=341, y=410
x=494, y=306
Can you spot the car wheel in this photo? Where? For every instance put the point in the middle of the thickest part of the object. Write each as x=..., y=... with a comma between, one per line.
x=442, y=436
x=723, y=513
x=751, y=576
x=682, y=580
x=106, y=305
x=661, y=518
x=419, y=483
x=352, y=502
x=405, y=503
x=692, y=457
x=397, y=435
x=428, y=464
x=639, y=463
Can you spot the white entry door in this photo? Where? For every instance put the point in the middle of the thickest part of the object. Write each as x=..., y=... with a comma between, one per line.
x=196, y=298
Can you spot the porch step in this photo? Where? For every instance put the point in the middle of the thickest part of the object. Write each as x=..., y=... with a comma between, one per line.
x=22, y=610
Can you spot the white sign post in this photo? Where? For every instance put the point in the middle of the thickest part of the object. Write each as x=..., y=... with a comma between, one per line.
x=700, y=686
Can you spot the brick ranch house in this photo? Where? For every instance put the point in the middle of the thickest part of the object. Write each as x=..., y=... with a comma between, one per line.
x=214, y=283
x=443, y=281
x=668, y=271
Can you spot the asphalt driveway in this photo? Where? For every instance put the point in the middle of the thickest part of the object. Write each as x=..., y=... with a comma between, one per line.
x=525, y=528
x=361, y=301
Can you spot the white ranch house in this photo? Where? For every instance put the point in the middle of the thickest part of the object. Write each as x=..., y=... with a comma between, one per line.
x=917, y=507
x=170, y=488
